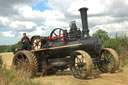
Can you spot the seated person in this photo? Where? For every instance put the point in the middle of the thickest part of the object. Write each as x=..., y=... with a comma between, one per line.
x=26, y=42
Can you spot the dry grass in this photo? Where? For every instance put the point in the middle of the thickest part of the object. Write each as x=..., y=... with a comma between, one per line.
x=9, y=76
x=7, y=59
x=12, y=77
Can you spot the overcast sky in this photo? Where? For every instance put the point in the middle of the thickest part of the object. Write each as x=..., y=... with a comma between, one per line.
x=40, y=17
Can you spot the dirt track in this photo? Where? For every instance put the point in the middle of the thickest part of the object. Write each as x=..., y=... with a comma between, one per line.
x=65, y=78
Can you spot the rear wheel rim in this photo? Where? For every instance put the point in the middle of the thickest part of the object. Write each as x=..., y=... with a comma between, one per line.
x=109, y=61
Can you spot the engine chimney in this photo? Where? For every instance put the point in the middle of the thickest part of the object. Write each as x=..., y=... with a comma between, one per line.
x=83, y=12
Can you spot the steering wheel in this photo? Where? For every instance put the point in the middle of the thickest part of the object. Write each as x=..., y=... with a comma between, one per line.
x=57, y=32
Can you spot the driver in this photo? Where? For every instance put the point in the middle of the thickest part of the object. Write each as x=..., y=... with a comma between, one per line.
x=26, y=42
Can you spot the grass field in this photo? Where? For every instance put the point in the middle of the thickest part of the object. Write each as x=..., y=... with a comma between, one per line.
x=65, y=78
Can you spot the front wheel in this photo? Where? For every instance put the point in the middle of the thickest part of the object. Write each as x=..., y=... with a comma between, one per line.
x=109, y=60
x=36, y=42
x=81, y=64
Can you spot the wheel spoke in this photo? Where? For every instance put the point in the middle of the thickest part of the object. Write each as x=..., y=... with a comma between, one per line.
x=22, y=57
x=55, y=34
x=78, y=60
x=82, y=59
x=34, y=44
x=59, y=32
x=35, y=41
x=19, y=60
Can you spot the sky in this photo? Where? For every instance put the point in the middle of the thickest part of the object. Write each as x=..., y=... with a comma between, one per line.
x=40, y=17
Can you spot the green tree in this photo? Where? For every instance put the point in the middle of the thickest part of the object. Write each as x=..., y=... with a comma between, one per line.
x=103, y=35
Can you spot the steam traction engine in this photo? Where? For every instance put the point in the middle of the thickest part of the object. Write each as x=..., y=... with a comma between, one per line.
x=75, y=49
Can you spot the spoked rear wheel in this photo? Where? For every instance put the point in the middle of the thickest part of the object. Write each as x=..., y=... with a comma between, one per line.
x=109, y=60
x=26, y=61
x=81, y=64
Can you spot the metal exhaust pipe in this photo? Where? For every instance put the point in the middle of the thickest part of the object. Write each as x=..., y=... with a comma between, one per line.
x=85, y=30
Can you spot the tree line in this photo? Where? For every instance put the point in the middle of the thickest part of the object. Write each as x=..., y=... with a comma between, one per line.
x=10, y=48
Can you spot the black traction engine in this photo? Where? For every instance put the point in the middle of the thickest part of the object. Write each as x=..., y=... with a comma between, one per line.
x=61, y=50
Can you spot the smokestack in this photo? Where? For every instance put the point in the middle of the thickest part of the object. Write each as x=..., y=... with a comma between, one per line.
x=83, y=12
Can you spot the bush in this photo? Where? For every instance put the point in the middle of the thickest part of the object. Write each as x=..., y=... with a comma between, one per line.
x=119, y=43
x=116, y=42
